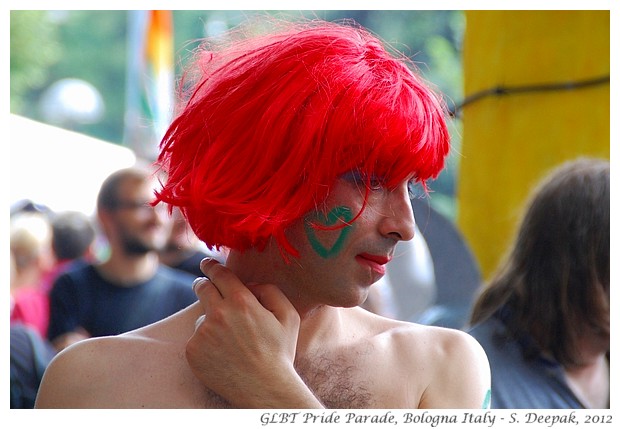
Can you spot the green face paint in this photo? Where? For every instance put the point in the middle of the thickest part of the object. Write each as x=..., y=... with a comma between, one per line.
x=486, y=404
x=340, y=213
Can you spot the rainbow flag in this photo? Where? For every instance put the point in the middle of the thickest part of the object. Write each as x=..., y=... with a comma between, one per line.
x=150, y=80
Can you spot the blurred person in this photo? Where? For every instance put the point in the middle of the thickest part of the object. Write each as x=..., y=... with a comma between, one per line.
x=131, y=288
x=31, y=260
x=29, y=206
x=543, y=318
x=183, y=250
x=295, y=151
x=73, y=236
x=30, y=354
x=452, y=274
x=408, y=287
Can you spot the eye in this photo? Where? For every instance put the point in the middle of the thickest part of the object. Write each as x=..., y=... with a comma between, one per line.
x=416, y=190
x=374, y=183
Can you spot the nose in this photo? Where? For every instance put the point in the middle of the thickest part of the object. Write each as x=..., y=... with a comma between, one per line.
x=398, y=221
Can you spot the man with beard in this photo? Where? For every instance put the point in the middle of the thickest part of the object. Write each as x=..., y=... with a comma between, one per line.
x=131, y=288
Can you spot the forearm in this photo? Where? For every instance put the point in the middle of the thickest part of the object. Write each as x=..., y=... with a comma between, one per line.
x=290, y=393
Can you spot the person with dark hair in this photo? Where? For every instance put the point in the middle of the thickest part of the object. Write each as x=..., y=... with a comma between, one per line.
x=72, y=236
x=131, y=288
x=543, y=318
x=295, y=151
x=30, y=355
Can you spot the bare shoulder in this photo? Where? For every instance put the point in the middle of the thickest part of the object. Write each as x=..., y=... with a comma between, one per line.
x=89, y=373
x=459, y=371
x=442, y=368
x=416, y=338
x=145, y=368
x=445, y=343
x=434, y=347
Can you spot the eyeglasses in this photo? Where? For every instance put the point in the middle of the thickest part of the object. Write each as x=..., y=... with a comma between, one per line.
x=142, y=206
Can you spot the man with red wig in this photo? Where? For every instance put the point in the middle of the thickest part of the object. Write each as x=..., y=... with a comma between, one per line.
x=295, y=152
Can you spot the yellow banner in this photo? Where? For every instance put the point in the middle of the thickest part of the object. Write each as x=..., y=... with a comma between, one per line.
x=536, y=94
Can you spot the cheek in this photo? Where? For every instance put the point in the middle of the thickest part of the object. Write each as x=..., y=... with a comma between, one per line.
x=327, y=233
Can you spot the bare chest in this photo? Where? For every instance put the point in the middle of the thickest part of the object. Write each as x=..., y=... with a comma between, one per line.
x=343, y=382
x=358, y=377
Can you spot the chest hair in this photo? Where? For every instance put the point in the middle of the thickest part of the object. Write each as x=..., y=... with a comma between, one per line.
x=334, y=380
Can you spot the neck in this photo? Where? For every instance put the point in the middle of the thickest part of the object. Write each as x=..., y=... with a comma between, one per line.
x=174, y=256
x=125, y=269
x=319, y=322
x=590, y=382
x=252, y=266
x=28, y=277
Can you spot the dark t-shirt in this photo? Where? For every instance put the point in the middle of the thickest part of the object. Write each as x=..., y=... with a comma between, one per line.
x=83, y=298
x=191, y=264
x=30, y=355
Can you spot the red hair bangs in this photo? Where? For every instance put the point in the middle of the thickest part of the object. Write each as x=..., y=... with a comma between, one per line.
x=273, y=121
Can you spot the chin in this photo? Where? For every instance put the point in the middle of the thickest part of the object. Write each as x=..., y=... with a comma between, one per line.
x=355, y=300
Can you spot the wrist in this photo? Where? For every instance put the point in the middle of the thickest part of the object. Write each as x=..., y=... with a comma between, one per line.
x=289, y=393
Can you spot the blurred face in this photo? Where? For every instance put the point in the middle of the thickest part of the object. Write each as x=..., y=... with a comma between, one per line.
x=338, y=265
x=139, y=227
x=181, y=235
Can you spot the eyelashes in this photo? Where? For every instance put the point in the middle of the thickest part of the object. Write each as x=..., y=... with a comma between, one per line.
x=374, y=183
x=417, y=190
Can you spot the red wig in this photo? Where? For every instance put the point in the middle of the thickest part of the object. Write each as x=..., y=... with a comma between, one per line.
x=271, y=122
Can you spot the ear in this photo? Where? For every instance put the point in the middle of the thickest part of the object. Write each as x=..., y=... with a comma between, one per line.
x=105, y=218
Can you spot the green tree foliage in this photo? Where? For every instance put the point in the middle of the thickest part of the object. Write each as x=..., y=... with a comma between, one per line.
x=34, y=48
x=91, y=45
x=96, y=52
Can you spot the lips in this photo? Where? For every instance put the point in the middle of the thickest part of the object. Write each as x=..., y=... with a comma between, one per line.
x=376, y=262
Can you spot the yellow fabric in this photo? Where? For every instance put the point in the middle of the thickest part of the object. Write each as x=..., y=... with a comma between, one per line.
x=509, y=142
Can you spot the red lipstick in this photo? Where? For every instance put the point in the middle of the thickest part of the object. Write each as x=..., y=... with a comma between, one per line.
x=375, y=262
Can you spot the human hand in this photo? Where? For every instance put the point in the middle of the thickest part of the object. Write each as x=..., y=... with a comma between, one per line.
x=244, y=345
